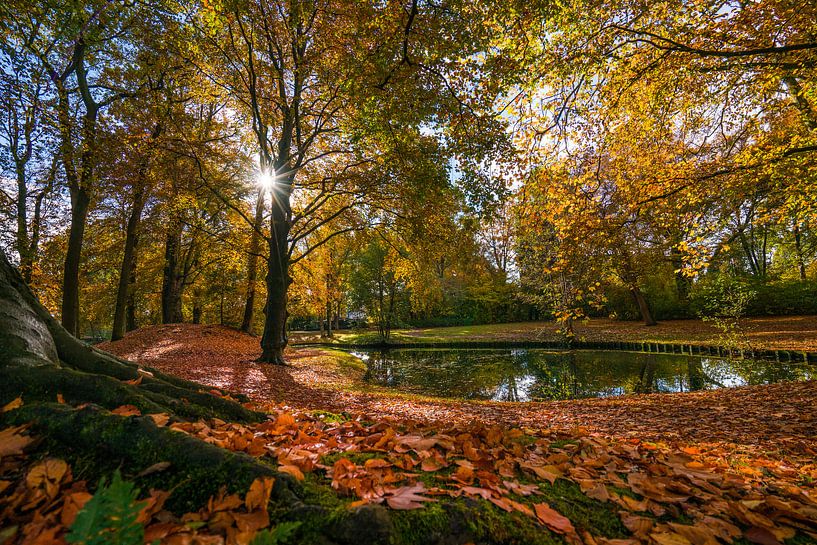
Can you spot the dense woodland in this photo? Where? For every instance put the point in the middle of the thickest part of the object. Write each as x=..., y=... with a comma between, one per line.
x=314, y=164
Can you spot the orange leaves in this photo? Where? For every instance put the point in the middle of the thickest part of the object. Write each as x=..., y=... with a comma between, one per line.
x=13, y=404
x=127, y=410
x=554, y=521
x=259, y=493
x=292, y=470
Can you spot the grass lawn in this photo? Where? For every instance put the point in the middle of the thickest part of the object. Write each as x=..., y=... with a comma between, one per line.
x=772, y=333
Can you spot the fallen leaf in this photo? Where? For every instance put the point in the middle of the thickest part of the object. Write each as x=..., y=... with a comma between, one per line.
x=12, y=442
x=127, y=410
x=259, y=493
x=292, y=470
x=552, y=519
x=13, y=404
x=155, y=468
x=407, y=497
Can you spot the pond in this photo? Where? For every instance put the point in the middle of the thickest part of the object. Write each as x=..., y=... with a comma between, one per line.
x=538, y=374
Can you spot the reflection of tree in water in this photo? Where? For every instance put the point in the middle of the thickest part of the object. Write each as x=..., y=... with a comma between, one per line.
x=528, y=375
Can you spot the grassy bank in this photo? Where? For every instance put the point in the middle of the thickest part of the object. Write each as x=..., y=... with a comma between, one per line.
x=767, y=333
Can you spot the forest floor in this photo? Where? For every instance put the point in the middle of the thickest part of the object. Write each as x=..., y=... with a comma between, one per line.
x=730, y=466
x=767, y=332
x=322, y=379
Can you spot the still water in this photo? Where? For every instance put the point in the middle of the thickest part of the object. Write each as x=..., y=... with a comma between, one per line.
x=538, y=374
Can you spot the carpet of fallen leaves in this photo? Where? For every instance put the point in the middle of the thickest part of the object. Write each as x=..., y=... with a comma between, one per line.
x=679, y=469
x=770, y=418
x=39, y=500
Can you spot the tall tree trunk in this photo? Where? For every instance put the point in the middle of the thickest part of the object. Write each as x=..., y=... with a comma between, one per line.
x=130, y=304
x=329, y=319
x=23, y=243
x=643, y=307
x=798, y=251
x=252, y=264
x=171, y=279
x=127, y=272
x=80, y=202
x=274, y=338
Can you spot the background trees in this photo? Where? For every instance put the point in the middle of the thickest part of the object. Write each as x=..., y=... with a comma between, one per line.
x=406, y=162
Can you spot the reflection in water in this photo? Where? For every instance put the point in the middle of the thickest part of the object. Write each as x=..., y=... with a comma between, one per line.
x=536, y=374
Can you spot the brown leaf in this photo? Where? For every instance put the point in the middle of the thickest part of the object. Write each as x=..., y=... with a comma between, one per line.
x=155, y=468
x=697, y=535
x=292, y=470
x=259, y=493
x=12, y=442
x=669, y=538
x=47, y=475
x=72, y=505
x=407, y=497
x=553, y=520
x=127, y=410
x=160, y=419
x=762, y=536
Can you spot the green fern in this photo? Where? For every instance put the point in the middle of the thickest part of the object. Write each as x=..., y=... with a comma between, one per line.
x=110, y=516
x=278, y=535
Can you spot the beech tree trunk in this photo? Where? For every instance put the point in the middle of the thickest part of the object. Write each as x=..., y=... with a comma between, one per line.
x=274, y=339
x=171, y=278
x=127, y=272
x=252, y=264
x=80, y=201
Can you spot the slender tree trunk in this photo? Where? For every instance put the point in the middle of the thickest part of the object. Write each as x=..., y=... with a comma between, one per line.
x=127, y=272
x=329, y=319
x=130, y=306
x=171, y=279
x=643, y=307
x=337, y=317
x=252, y=264
x=23, y=243
x=274, y=338
x=798, y=251
x=80, y=202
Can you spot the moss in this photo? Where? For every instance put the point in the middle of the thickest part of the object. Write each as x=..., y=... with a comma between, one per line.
x=356, y=457
x=465, y=520
x=561, y=443
x=801, y=539
x=327, y=416
x=567, y=498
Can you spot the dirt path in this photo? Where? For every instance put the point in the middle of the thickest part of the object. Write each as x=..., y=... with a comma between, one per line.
x=779, y=417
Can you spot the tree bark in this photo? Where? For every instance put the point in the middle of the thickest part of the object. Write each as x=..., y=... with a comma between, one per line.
x=798, y=251
x=274, y=338
x=171, y=278
x=643, y=307
x=80, y=202
x=252, y=264
x=127, y=272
